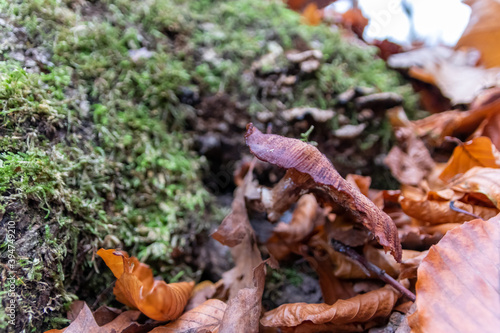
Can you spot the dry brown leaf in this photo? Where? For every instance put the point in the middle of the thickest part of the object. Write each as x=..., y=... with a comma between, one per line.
x=483, y=31
x=359, y=309
x=244, y=310
x=410, y=263
x=202, y=292
x=85, y=321
x=206, y=318
x=287, y=237
x=478, y=152
x=411, y=164
x=232, y=231
x=136, y=287
x=236, y=232
x=458, y=289
x=439, y=211
x=490, y=127
x=482, y=181
x=311, y=171
x=453, y=123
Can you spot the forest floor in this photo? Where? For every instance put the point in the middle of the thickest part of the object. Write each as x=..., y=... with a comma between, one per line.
x=123, y=123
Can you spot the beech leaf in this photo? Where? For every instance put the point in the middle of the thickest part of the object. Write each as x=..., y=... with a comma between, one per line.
x=244, y=310
x=86, y=321
x=458, y=289
x=136, y=287
x=206, y=317
x=477, y=152
x=359, y=309
x=309, y=164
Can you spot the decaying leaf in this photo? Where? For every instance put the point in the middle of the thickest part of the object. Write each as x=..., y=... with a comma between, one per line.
x=311, y=171
x=359, y=309
x=477, y=152
x=125, y=322
x=288, y=236
x=458, y=285
x=136, y=287
x=206, y=318
x=244, y=310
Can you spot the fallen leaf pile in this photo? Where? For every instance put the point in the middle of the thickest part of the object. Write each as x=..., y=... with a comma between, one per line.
x=422, y=258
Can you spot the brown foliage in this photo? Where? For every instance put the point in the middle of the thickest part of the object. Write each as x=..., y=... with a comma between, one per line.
x=311, y=171
x=458, y=285
x=359, y=309
x=136, y=287
x=206, y=318
x=478, y=152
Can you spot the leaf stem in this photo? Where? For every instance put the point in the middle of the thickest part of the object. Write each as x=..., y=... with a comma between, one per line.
x=344, y=249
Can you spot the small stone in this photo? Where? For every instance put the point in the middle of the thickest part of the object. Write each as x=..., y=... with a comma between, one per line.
x=309, y=66
x=349, y=131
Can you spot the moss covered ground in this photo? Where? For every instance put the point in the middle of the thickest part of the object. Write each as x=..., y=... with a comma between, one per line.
x=96, y=101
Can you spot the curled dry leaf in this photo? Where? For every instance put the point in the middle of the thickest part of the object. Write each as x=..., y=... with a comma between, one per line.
x=432, y=208
x=485, y=182
x=359, y=309
x=206, y=318
x=311, y=171
x=477, y=152
x=136, y=287
x=458, y=289
x=288, y=236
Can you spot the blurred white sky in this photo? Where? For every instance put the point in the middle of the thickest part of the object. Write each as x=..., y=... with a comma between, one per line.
x=434, y=21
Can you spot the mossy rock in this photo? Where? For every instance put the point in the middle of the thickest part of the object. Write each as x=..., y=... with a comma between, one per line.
x=98, y=104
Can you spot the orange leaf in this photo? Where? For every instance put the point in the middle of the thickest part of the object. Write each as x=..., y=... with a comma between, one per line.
x=312, y=15
x=206, y=317
x=353, y=19
x=359, y=309
x=436, y=211
x=478, y=152
x=136, y=287
x=458, y=289
x=310, y=170
x=483, y=31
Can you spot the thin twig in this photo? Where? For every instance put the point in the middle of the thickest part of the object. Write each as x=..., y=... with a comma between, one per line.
x=459, y=210
x=342, y=248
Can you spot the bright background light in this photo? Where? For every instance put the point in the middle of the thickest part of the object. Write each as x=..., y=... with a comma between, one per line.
x=433, y=21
